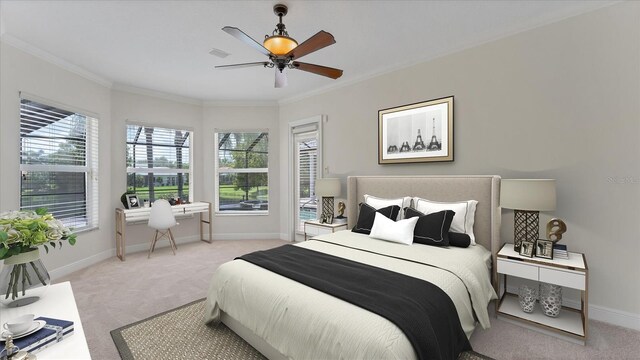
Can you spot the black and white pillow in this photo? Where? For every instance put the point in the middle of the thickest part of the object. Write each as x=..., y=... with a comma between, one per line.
x=367, y=215
x=431, y=229
x=463, y=220
x=380, y=203
x=459, y=239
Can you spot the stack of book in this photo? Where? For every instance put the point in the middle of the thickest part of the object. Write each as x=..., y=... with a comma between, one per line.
x=50, y=333
x=560, y=251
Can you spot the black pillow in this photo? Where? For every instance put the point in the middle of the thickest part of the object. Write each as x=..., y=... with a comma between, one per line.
x=432, y=229
x=367, y=214
x=459, y=239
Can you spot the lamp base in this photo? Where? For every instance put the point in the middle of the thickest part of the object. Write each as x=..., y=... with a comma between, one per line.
x=327, y=207
x=526, y=227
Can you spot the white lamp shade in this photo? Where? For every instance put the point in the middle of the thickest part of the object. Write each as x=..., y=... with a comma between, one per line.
x=328, y=187
x=528, y=194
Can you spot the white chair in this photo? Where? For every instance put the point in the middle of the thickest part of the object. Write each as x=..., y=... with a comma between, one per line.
x=162, y=219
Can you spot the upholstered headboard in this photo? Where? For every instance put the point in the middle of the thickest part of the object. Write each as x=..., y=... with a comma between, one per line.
x=483, y=188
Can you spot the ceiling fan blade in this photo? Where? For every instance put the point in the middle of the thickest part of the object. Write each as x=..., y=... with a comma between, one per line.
x=318, y=41
x=318, y=69
x=237, y=66
x=240, y=35
x=281, y=79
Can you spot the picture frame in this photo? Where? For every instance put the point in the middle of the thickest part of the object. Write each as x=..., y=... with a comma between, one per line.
x=544, y=249
x=329, y=219
x=527, y=248
x=133, y=201
x=416, y=133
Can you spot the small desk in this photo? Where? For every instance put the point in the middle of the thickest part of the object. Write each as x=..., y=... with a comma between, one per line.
x=57, y=303
x=124, y=216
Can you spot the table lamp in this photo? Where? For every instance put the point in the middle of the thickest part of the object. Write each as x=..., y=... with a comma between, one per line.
x=527, y=197
x=327, y=188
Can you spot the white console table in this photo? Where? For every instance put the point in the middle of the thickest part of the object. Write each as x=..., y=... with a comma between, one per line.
x=57, y=303
x=125, y=216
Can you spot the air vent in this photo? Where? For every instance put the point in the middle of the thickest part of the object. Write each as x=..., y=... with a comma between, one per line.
x=219, y=53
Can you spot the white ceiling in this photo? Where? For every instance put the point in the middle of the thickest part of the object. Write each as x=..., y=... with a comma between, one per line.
x=163, y=45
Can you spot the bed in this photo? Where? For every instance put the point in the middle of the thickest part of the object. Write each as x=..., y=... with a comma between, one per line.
x=284, y=319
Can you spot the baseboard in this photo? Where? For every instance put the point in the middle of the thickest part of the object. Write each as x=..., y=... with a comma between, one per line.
x=246, y=236
x=600, y=313
x=81, y=264
x=615, y=317
x=94, y=259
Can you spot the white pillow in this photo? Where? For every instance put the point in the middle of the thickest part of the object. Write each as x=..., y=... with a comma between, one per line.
x=463, y=220
x=379, y=203
x=400, y=231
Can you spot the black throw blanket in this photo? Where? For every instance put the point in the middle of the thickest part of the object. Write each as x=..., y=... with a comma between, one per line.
x=424, y=312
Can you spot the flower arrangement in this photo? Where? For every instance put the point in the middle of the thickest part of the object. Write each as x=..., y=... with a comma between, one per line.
x=22, y=232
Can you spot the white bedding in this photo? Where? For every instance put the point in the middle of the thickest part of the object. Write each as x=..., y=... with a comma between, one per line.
x=303, y=323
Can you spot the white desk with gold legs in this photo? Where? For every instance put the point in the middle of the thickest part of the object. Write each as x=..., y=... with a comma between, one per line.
x=124, y=216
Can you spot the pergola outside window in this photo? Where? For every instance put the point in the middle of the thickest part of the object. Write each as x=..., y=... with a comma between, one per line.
x=242, y=172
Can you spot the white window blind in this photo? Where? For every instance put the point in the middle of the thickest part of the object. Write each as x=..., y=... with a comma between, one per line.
x=306, y=158
x=242, y=171
x=59, y=163
x=159, y=162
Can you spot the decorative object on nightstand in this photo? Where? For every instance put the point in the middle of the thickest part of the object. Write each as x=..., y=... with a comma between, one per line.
x=527, y=297
x=527, y=248
x=550, y=299
x=327, y=189
x=555, y=228
x=527, y=197
x=340, y=219
x=544, y=248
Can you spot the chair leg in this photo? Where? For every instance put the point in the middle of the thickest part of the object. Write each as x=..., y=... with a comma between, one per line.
x=172, y=242
x=152, y=246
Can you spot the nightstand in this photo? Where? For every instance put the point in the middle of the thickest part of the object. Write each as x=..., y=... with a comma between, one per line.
x=313, y=228
x=571, y=324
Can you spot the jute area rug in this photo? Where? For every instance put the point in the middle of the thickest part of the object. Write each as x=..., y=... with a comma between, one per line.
x=181, y=334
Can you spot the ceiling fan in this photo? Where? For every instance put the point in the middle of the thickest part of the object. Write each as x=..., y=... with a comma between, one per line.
x=283, y=50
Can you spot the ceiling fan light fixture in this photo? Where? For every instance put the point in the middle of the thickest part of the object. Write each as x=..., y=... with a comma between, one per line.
x=279, y=45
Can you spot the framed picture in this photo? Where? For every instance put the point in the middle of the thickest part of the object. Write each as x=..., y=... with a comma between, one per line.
x=329, y=219
x=526, y=248
x=133, y=201
x=416, y=133
x=544, y=248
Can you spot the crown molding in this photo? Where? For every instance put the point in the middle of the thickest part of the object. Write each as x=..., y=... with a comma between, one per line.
x=522, y=27
x=240, y=103
x=156, y=94
x=52, y=59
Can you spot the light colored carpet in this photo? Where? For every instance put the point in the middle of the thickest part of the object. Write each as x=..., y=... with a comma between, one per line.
x=112, y=294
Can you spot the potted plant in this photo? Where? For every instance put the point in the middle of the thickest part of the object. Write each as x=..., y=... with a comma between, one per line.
x=24, y=278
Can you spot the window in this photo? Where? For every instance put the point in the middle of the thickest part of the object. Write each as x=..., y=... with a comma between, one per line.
x=158, y=162
x=306, y=172
x=59, y=163
x=242, y=179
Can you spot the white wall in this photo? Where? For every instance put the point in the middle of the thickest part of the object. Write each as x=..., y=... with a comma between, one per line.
x=143, y=109
x=249, y=226
x=24, y=72
x=561, y=101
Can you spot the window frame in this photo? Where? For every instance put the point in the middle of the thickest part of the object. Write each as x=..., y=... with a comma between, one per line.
x=90, y=169
x=135, y=170
x=216, y=174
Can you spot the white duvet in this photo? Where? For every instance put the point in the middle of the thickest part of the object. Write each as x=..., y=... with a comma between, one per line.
x=303, y=323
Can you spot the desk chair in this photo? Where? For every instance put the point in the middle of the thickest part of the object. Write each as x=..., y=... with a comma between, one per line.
x=162, y=219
